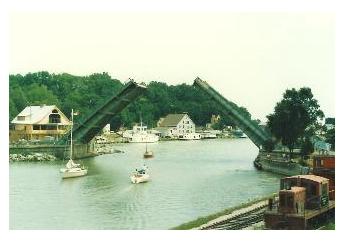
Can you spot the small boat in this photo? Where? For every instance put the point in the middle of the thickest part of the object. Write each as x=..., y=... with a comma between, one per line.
x=190, y=136
x=72, y=169
x=140, y=176
x=148, y=154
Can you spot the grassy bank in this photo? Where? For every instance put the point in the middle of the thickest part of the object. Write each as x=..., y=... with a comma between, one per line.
x=203, y=220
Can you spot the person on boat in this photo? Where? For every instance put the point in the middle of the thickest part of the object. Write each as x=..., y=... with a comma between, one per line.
x=144, y=167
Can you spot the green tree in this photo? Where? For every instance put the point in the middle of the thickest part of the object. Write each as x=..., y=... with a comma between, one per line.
x=330, y=138
x=39, y=94
x=17, y=101
x=86, y=93
x=295, y=116
x=306, y=147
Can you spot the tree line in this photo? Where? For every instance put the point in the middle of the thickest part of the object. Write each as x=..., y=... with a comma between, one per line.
x=86, y=93
x=296, y=118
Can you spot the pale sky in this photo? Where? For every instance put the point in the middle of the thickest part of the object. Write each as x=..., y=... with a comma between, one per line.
x=250, y=58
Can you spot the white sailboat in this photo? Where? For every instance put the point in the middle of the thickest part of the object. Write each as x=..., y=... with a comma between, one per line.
x=72, y=169
x=148, y=154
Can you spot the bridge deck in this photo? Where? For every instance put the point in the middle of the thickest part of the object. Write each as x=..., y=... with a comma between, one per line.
x=257, y=134
x=97, y=120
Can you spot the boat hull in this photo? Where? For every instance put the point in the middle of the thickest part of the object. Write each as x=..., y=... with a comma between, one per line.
x=148, y=154
x=144, y=139
x=74, y=173
x=139, y=179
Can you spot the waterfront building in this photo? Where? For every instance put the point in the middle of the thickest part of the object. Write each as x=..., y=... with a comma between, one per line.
x=36, y=123
x=214, y=120
x=175, y=125
x=107, y=129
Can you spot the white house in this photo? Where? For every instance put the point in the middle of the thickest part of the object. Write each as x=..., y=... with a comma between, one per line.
x=175, y=125
x=39, y=122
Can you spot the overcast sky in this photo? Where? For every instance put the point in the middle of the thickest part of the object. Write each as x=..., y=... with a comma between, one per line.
x=250, y=58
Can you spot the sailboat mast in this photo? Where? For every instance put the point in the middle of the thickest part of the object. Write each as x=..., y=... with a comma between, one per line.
x=71, y=134
x=141, y=120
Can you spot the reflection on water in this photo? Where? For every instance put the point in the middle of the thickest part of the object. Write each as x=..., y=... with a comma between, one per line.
x=189, y=179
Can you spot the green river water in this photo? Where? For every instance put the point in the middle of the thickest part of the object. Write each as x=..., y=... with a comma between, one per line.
x=189, y=179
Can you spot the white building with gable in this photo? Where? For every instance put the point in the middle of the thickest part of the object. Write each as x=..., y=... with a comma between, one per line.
x=176, y=125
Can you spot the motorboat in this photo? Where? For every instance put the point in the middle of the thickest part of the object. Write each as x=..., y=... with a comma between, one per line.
x=190, y=136
x=72, y=169
x=139, y=134
x=140, y=176
x=208, y=135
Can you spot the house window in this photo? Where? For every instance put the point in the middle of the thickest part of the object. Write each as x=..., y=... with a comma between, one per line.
x=36, y=127
x=54, y=118
x=61, y=127
x=48, y=127
x=51, y=127
x=21, y=118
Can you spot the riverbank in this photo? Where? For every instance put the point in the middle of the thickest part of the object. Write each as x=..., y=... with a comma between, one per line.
x=206, y=221
x=39, y=157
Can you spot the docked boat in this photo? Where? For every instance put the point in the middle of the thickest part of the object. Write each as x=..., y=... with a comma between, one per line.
x=190, y=136
x=139, y=134
x=208, y=135
x=72, y=169
x=140, y=176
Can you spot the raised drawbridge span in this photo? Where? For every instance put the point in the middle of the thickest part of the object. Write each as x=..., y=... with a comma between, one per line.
x=256, y=133
x=96, y=121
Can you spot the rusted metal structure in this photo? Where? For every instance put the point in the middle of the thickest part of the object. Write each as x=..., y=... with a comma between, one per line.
x=96, y=121
x=256, y=133
x=324, y=165
x=303, y=200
